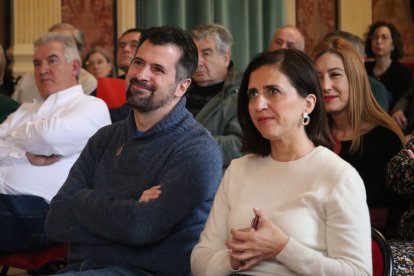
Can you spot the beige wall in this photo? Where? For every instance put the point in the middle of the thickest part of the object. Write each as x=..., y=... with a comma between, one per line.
x=397, y=12
x=315, y=19
x=352, y=19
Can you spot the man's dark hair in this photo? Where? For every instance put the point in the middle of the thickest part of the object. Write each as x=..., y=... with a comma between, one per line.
x=187, y=63
x=131, y=30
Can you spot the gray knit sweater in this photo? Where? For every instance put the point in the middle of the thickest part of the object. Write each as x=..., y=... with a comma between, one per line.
x=97, y=212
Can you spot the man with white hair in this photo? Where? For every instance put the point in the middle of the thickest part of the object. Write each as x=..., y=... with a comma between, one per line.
x=212, y=97
x=26, y=90
x=287, y=37
x=41, y=141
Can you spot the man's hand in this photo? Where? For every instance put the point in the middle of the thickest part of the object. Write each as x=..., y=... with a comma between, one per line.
x=400, y=118
x=41, y=160
x=150, y=194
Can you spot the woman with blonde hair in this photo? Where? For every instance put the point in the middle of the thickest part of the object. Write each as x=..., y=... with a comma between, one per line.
x=365, y=135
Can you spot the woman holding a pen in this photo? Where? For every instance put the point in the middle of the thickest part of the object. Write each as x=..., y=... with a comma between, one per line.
x=309, y=204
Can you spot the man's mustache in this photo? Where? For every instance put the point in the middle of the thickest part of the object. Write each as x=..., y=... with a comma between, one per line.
x=142, y=84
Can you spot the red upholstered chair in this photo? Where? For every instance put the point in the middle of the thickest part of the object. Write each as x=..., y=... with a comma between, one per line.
x=381, y=255
x=32, y=260
x=112, y=91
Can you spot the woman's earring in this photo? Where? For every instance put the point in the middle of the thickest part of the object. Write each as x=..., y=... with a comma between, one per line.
x=305, y=119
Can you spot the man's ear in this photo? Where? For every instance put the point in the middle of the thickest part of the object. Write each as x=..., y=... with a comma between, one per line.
x=227, y=57
x=76, y=66
x=182, y=87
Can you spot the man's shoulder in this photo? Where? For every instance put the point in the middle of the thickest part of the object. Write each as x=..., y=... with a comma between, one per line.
x=88, y=81
x=112, y=131
x=81, y=96
x=377, y=87
x=193, y=128
x=196, y=142
x=196, y=134
x=8, y=102
x=374, y=82
x=233, y=79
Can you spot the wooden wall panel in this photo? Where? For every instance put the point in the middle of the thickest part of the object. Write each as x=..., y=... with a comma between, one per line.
x=95, y=18
x=397, y=12
x=315, y=19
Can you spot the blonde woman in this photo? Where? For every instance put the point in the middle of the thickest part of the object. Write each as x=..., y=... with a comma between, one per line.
x=366, y=136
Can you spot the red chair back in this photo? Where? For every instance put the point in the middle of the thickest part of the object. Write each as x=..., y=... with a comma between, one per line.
x=32, y=260
x=381, y=255
x=112, y=91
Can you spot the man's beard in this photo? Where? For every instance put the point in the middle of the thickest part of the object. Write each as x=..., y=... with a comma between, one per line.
x=145, y=104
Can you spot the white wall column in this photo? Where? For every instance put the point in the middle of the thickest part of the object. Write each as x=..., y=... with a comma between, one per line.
x=30, y=19
x=126, y=15
x=355, y=16
x=290, y=12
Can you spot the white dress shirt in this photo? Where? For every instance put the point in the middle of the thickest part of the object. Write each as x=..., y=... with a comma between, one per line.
x=60, y=125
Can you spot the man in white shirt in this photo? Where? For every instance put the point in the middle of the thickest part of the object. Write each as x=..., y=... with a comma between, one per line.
x=41, y=141
x=26, y=90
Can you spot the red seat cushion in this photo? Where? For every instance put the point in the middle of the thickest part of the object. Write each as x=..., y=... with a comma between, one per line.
x=32, y=260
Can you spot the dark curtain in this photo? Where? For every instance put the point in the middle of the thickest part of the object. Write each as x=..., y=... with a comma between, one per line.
x=252, y=22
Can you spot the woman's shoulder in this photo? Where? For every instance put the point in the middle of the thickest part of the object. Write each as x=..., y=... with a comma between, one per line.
x=249, y=160
x=382, y=141
x=333, y=169
x=400, y=68
x=329, y=159
x=383, y=133
x=318, y=158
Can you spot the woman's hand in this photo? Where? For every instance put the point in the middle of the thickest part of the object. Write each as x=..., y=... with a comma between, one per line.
x=249, y=247
x=236, y=261
x=150, y=194
x=410, y=152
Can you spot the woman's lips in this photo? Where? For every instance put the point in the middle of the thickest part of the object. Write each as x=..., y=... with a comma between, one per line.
x=263, y=120
x=329, y=98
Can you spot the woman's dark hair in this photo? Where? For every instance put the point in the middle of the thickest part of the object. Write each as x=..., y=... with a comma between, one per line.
x=298, y=68
x=398, y=51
